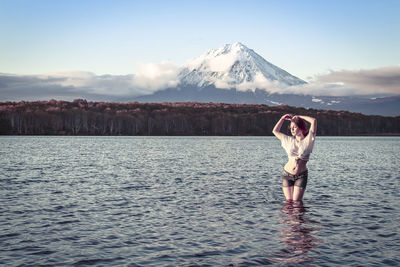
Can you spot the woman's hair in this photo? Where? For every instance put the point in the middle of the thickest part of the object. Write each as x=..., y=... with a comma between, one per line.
x=301, y=124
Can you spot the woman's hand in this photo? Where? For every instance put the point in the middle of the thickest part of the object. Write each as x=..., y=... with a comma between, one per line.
x=287, y=117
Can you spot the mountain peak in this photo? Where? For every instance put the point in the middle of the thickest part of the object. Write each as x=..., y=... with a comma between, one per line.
x=234, y=66
x=234, y=47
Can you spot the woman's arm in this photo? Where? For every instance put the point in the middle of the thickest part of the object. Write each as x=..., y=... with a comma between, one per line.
x=278, y=125
x=312, y=121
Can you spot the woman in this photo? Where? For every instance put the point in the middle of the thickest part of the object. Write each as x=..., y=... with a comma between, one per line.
x=298, y=147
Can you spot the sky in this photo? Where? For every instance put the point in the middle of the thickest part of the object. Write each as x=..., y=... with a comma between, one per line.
x=112, y=40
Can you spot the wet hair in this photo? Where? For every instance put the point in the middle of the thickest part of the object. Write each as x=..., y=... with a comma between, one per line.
x=301, y=124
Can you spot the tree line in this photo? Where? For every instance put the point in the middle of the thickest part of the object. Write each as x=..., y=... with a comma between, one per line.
x=80, y=117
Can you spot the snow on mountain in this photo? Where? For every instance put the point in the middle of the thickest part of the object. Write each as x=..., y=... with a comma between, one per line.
x=234, y=66
x=251, y=79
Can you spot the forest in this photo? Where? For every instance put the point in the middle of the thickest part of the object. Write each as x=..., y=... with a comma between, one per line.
x=80, y=117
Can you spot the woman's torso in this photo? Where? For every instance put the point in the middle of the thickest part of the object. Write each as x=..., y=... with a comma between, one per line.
x=298, y=153
x=294, y=166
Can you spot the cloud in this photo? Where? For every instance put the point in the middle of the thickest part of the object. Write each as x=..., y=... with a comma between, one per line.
x=80, y=84
x=66, y=85
x=385, y=80
x=156, y=76
x=152, y=77
x=260, y=82
x=87, y=82
x=379, y=81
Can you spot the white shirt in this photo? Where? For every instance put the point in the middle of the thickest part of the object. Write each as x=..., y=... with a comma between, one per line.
x=298, y=149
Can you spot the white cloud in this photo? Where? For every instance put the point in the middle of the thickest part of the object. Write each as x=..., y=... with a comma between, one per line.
x=81, y=84
x=385, y=80
x=379, y=81
x=88, y=82
x=260, y=82
x=152, y=77
x=156, y=76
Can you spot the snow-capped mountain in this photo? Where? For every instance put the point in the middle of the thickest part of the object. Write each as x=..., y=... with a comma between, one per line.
x=234, y=66
x=237, y=74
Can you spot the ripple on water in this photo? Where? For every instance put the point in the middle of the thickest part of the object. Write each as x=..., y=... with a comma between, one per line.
x=169, y=201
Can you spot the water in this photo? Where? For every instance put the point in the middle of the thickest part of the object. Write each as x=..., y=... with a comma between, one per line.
x=198, y=201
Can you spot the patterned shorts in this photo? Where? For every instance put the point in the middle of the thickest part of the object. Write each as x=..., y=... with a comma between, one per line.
x=299, y=180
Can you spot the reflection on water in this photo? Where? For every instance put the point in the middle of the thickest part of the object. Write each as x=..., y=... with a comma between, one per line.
x=298, y=234
x=195, y=201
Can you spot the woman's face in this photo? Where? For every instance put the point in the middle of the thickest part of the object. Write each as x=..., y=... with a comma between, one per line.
x=294, y=129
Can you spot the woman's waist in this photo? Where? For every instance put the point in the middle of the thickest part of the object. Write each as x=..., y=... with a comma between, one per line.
x=296, y=167
x=295, y=174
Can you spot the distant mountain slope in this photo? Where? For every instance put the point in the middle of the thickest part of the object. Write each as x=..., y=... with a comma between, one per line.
x=230, y=66
x=386, y=106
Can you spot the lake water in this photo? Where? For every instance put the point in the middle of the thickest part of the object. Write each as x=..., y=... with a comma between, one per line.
x=196, y=201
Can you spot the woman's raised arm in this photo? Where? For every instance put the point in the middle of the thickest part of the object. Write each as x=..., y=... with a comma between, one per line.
x=312, y=121
x=278, y=125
